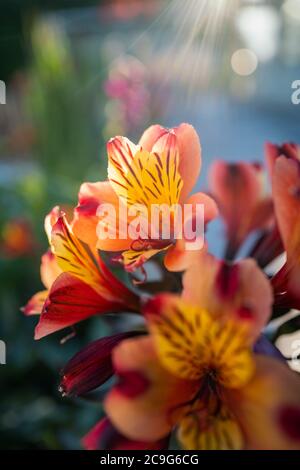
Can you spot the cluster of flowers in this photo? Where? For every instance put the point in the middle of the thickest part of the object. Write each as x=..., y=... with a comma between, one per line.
x=198, y=368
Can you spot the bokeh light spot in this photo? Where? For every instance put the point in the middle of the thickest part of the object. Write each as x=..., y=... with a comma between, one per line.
x=244, y=62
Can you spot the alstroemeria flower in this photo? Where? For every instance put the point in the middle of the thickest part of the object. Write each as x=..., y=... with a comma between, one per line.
x=286, y=193
x=197, y=371
x=86, y=286
x=238, y=189
x=161, y=170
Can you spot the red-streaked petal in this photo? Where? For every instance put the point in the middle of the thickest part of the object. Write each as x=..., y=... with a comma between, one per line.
x=268, y=408
x=90, y=367
x=121, y=152
x=49, y=269
x=77, y=258
x=70, y=301
x=145, y=403
x=240, y=291
x=35, y=305
x=189, y=148
x=104, y=436
x=149, y=178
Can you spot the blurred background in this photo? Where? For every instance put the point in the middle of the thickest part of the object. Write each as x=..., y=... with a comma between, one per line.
x=77, y=72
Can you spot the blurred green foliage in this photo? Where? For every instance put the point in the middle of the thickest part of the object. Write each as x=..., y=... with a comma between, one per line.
x=60, y=112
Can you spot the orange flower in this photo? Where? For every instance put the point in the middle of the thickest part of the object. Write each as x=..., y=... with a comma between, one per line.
x=197, y=373
x=161, y=170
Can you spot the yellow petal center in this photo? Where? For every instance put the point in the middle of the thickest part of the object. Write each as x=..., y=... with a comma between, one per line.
x=192, y=345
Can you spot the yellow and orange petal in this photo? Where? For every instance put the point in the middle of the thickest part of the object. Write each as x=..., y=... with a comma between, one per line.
x=202, y=430
x=155, y=138
x=189, y=147
x=147, y=178
x=191, y=343
x=79, y=260
x=73, y=256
